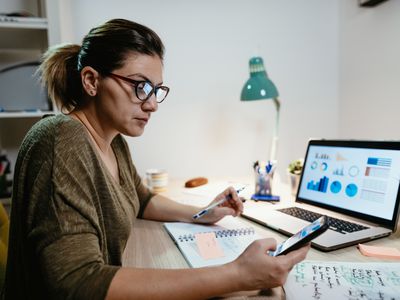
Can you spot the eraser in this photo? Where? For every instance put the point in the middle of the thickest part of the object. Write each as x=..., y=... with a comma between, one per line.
x=195, y=182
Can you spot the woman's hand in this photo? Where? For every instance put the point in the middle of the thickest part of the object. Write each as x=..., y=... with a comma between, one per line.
x=233, y=206
x=257, y=270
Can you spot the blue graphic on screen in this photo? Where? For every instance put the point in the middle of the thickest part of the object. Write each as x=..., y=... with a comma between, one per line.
x=336, y=186
x=383, y=162
x=319, y=186
x=351, y=190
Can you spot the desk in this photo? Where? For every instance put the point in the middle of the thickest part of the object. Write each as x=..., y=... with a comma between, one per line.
x=149, y=245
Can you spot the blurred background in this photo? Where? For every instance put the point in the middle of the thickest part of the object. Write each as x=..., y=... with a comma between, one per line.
x=335, y=64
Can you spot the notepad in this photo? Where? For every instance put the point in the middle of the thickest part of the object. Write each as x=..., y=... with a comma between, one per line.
x=232, y=238
x=383, y=252
x=208, y=245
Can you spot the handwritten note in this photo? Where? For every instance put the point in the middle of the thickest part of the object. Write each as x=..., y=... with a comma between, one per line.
x=344, y=280
x=208, y=245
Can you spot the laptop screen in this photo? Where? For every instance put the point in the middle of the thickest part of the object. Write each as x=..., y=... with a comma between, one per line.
x=359, y=178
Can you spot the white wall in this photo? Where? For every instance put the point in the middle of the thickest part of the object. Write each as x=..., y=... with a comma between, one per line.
x=369, y=71
x=203, y=129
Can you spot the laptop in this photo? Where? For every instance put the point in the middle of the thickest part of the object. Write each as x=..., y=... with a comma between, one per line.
x=354, y=183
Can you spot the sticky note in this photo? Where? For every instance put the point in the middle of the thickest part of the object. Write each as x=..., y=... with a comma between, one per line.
x=208, y=245
x=383, y=252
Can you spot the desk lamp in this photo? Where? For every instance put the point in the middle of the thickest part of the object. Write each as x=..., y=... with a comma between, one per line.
x=260, y=87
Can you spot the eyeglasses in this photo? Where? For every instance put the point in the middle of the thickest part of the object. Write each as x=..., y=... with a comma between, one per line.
x=145, y=89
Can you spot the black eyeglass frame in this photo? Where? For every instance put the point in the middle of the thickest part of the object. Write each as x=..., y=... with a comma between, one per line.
x=136, y=83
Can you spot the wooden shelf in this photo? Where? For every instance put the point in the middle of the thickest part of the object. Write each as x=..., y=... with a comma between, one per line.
x=23, y=114
x=25, y=39
x=13, y=38
x=23, y=23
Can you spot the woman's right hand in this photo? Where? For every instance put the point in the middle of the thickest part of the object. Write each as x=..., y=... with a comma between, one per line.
x=257, y=270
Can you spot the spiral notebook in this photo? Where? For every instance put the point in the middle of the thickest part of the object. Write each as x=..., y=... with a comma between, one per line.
x=232, y=238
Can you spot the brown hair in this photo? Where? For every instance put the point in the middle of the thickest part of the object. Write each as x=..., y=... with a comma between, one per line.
x=104, y=48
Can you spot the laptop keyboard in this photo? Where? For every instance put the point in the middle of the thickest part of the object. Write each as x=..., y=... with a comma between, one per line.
x=338, y=225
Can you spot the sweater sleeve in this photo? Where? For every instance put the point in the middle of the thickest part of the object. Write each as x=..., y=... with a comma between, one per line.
x=70, y=252
x=74, y=268
x=64, y=226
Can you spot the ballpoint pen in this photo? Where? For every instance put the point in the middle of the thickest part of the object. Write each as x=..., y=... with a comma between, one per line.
x=272, y=169
x=268, y=167
x=211, y=206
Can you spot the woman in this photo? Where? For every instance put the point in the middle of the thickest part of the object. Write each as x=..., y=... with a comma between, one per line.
x=77, y=193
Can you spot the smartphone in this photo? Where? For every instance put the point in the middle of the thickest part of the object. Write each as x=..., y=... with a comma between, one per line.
x=305, y=235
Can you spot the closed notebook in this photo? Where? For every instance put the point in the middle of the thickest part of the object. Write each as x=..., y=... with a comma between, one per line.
x=231, y=236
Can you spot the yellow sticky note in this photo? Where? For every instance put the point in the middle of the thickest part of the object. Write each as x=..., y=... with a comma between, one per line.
x=383, y=252
x=208, y=245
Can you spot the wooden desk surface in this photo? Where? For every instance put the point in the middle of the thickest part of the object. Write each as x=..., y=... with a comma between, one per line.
x=149, y=245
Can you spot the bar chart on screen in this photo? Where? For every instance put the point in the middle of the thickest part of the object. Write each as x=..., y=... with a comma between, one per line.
x=319, y=186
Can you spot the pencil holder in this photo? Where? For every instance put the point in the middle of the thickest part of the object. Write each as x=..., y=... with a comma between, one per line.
x=263, y=186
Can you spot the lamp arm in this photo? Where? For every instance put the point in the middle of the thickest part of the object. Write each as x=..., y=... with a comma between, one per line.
x=275, y=138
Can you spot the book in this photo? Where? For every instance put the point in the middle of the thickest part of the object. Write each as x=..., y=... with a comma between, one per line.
x=231, y=237
x=343, y=280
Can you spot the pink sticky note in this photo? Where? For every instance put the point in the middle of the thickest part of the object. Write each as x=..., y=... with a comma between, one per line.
x=208, y=245
x=383, y=252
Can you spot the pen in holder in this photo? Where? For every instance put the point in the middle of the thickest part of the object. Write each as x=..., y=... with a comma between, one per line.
x=263, y=184
x=263, y=174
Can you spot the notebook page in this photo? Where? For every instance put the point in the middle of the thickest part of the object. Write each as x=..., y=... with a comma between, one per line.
x=233, y=238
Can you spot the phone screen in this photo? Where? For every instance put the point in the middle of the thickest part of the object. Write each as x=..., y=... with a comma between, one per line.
x=303, y=236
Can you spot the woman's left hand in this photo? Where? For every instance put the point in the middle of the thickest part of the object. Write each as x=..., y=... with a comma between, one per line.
x=233, y=206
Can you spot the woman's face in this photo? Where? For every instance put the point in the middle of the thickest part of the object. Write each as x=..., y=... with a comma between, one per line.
x=117, y=104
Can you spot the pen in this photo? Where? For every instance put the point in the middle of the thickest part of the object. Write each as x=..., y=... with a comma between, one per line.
x=268, y=167
x=272, y=169
x=211, y=206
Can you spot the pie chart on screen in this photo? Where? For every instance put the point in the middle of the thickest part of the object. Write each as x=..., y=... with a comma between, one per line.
x=351, y=190
x=314, y=165
x=353, y=171
x=336, y=186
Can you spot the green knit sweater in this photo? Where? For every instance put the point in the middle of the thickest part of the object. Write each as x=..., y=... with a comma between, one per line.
x=70, y=220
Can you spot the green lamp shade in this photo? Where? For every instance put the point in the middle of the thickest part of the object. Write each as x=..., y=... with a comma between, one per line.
x=259, y=86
